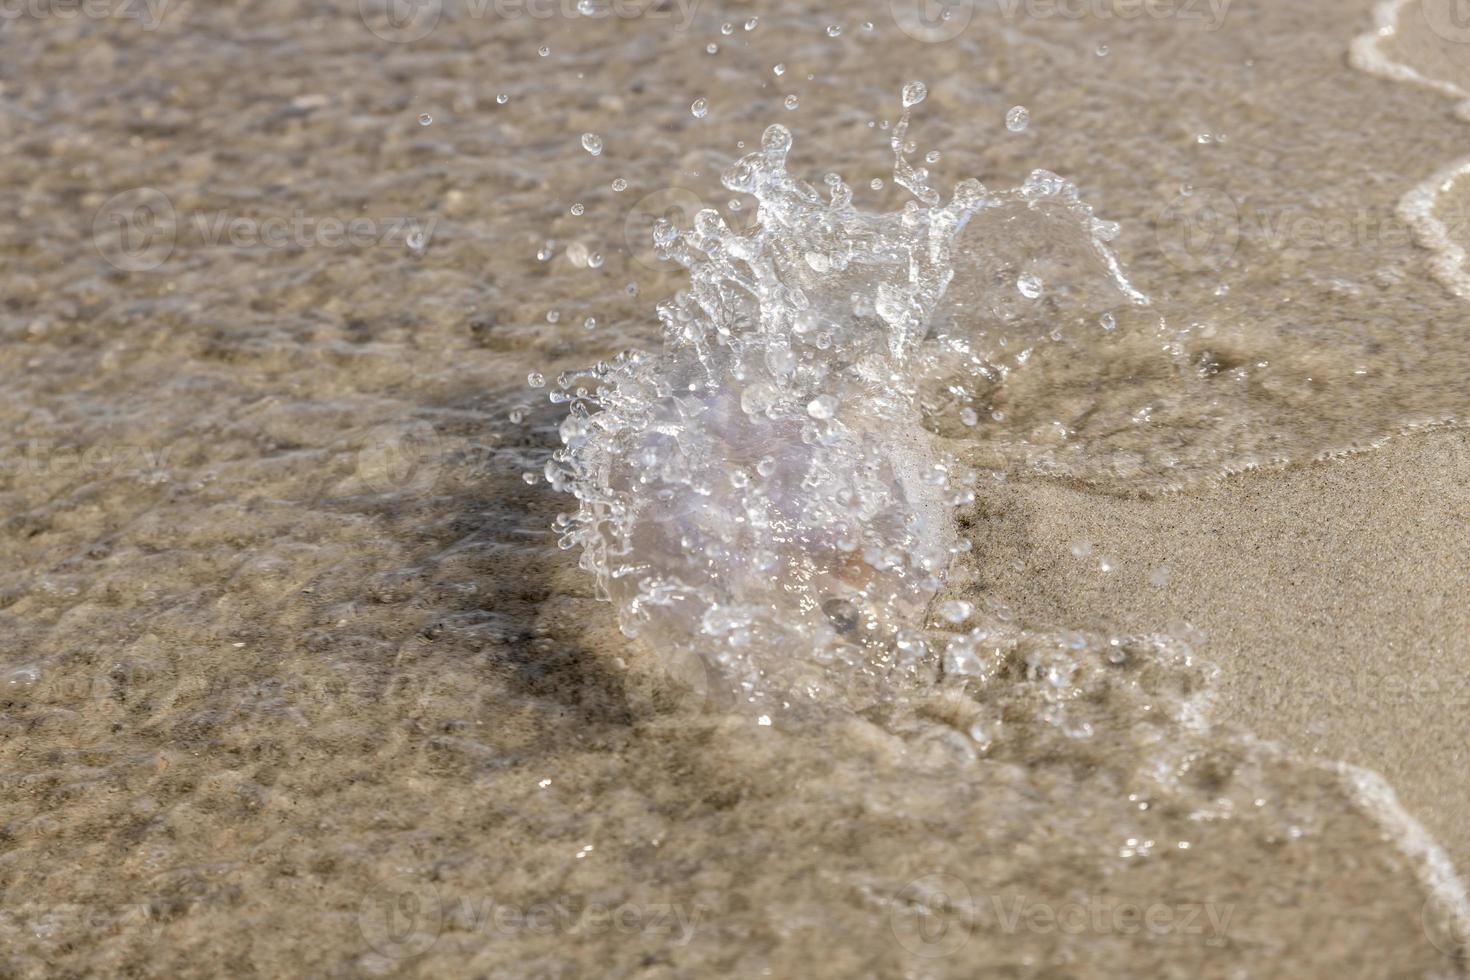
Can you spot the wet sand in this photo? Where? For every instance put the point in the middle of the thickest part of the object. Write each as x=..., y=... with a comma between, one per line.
x=1332, y=596
x=293, y=680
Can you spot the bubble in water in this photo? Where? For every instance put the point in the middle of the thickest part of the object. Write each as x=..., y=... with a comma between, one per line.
x=792, y=102
x=1018, y=118
x=1029, y=286
x=425, y=119
x=592, y=143
x=955, y=611
x=700, y=108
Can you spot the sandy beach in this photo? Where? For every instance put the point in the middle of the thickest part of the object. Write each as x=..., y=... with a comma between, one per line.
x=296, y=681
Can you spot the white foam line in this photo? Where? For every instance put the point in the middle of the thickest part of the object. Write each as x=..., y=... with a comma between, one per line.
x=1434, y=866
x=1417, y=207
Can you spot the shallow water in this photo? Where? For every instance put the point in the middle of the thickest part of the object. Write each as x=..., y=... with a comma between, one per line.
x=296, y=679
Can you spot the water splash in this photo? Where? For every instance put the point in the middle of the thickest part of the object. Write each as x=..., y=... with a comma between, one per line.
x=764, y=495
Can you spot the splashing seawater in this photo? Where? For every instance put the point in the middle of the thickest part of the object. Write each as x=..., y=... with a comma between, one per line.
x=763, y=500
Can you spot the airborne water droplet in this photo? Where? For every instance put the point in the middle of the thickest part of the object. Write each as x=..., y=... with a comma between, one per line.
x=592, y=143
x=700, y=108
x=1018, y=118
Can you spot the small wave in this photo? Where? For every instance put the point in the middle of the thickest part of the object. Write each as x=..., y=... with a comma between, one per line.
x=1419, y=208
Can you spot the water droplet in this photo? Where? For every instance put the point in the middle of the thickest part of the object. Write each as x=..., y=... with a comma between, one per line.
x=876, y=183
x=1018, y=118
x=594, y=261
x=536, y=379
x=931, y=157
x=792, y=102
x=592, y=143
x=1081, y=549
x=619, y=185
x=700, y=108
x=834, y=30
x=914, y=93
x=502, y=98
x=425, y=119
x=553, y=316
x=416, y=241
x=752, y=24
x=779, y=69
x=711, y=49
x=590, y=323
x=577, y=209
x=530, y=478
x=1029, y=286
x=544, y=50
x=968, y=416
x=822, y=407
